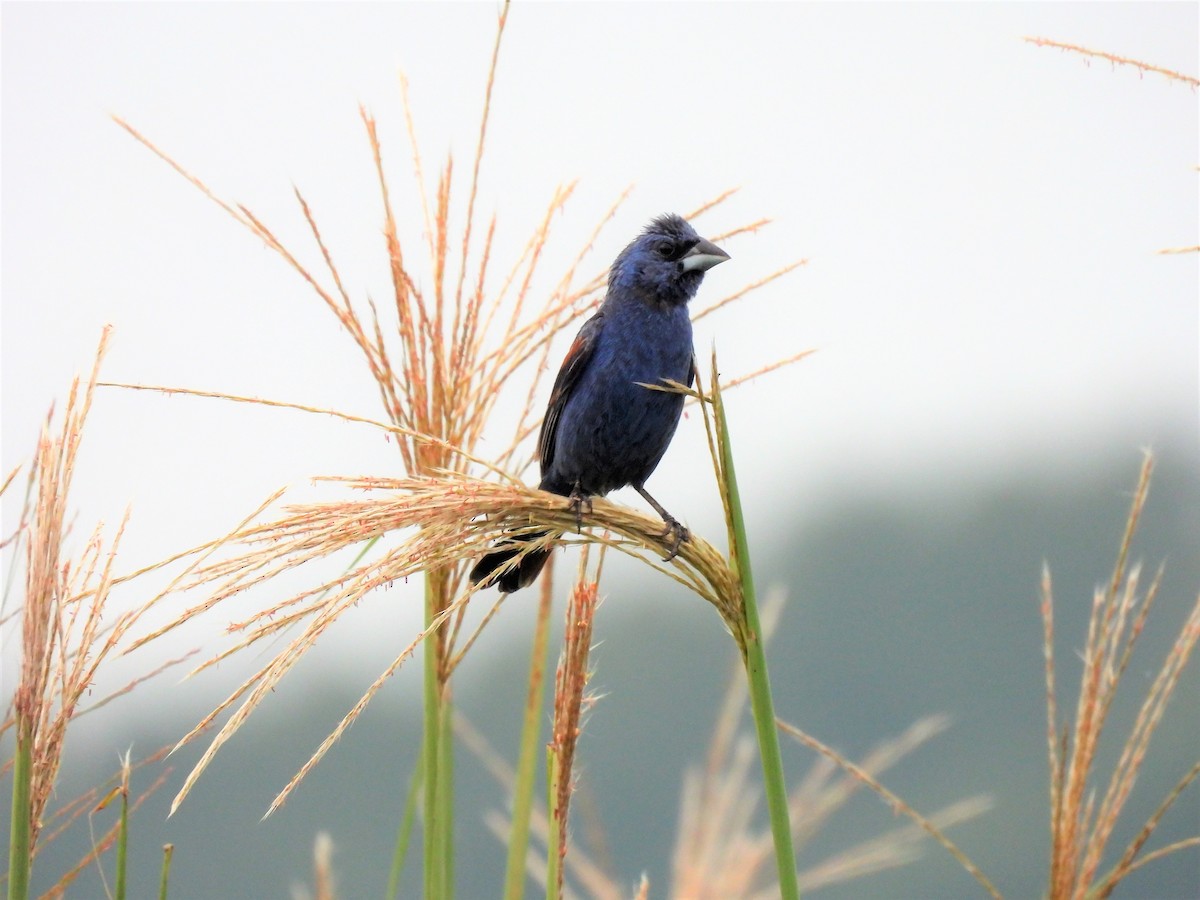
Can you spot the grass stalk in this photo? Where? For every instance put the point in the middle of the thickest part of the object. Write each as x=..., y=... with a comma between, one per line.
x=445, y=794
x=754, y=656
x=20, y=845
x=165, y=878
x=121, y=880
x=405, y=833
x=433, y=870
x=518, y=839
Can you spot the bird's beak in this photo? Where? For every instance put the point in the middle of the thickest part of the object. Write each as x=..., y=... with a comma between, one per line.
x=703, y=257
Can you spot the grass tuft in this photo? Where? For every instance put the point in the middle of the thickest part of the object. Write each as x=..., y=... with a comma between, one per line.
x=1085, y=808
x=69, y=631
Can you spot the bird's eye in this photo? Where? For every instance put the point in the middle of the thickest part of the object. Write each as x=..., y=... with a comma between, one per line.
x=665, y=250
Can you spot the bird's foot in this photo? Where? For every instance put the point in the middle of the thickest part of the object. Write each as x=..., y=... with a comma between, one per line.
x=674, y=536
x=578, y=501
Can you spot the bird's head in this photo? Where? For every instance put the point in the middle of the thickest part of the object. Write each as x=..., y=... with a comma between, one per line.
x=665, y=263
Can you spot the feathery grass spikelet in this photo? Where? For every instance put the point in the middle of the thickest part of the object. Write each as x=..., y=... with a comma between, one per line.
x=1141, y=67
x=68, y=634
x=932, y=826
x=67, y=630
x=1084, y=812
x=570, y=682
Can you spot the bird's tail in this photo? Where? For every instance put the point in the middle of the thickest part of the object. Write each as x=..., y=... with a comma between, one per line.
x=516, y=576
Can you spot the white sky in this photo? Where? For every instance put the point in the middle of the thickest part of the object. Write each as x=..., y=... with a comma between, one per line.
x=981, y=218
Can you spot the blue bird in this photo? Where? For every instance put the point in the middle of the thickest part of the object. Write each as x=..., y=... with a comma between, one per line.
x=603, y=430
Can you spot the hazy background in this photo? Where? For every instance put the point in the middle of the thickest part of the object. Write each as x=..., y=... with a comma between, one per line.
x=997, y=339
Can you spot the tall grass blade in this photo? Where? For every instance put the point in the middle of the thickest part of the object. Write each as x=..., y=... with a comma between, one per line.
x=446, y=796
x=518, y=838
x=754, y=656
x=20, y=845
x=404, y=834
x=121, y=880
x=434, y=872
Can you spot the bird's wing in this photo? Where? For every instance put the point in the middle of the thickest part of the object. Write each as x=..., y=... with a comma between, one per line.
x=574, y=363
x=692, y=371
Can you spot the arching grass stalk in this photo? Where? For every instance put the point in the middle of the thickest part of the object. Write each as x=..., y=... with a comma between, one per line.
x=750, y=641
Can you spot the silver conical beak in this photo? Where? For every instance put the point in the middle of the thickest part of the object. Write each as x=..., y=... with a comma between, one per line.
x=703, y=257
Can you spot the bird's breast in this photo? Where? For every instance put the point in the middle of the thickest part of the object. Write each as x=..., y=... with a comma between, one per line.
x=613, y=431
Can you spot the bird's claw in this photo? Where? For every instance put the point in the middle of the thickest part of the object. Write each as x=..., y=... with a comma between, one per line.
x=578, y=501
x=674, y=536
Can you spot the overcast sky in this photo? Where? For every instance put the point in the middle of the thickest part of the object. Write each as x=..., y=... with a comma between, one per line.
x=981, y=219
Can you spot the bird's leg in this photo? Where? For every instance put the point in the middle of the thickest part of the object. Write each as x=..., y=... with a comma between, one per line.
x=578, y=501
x=674, y=526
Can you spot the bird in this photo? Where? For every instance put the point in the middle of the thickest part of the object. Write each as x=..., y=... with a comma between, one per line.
x=604, y=429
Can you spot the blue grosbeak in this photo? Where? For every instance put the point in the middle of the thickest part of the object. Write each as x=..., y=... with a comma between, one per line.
x=603, y=430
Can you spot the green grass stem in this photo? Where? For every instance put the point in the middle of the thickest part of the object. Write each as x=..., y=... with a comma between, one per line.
x=120, y=886
x=518, y=836
x=445, y=796
x=433, y=870
x=168, y=852
x=762, y=706
x=20, y=847
x=404, y=834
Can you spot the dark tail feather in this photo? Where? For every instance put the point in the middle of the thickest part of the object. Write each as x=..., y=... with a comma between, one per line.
x=522, y=574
